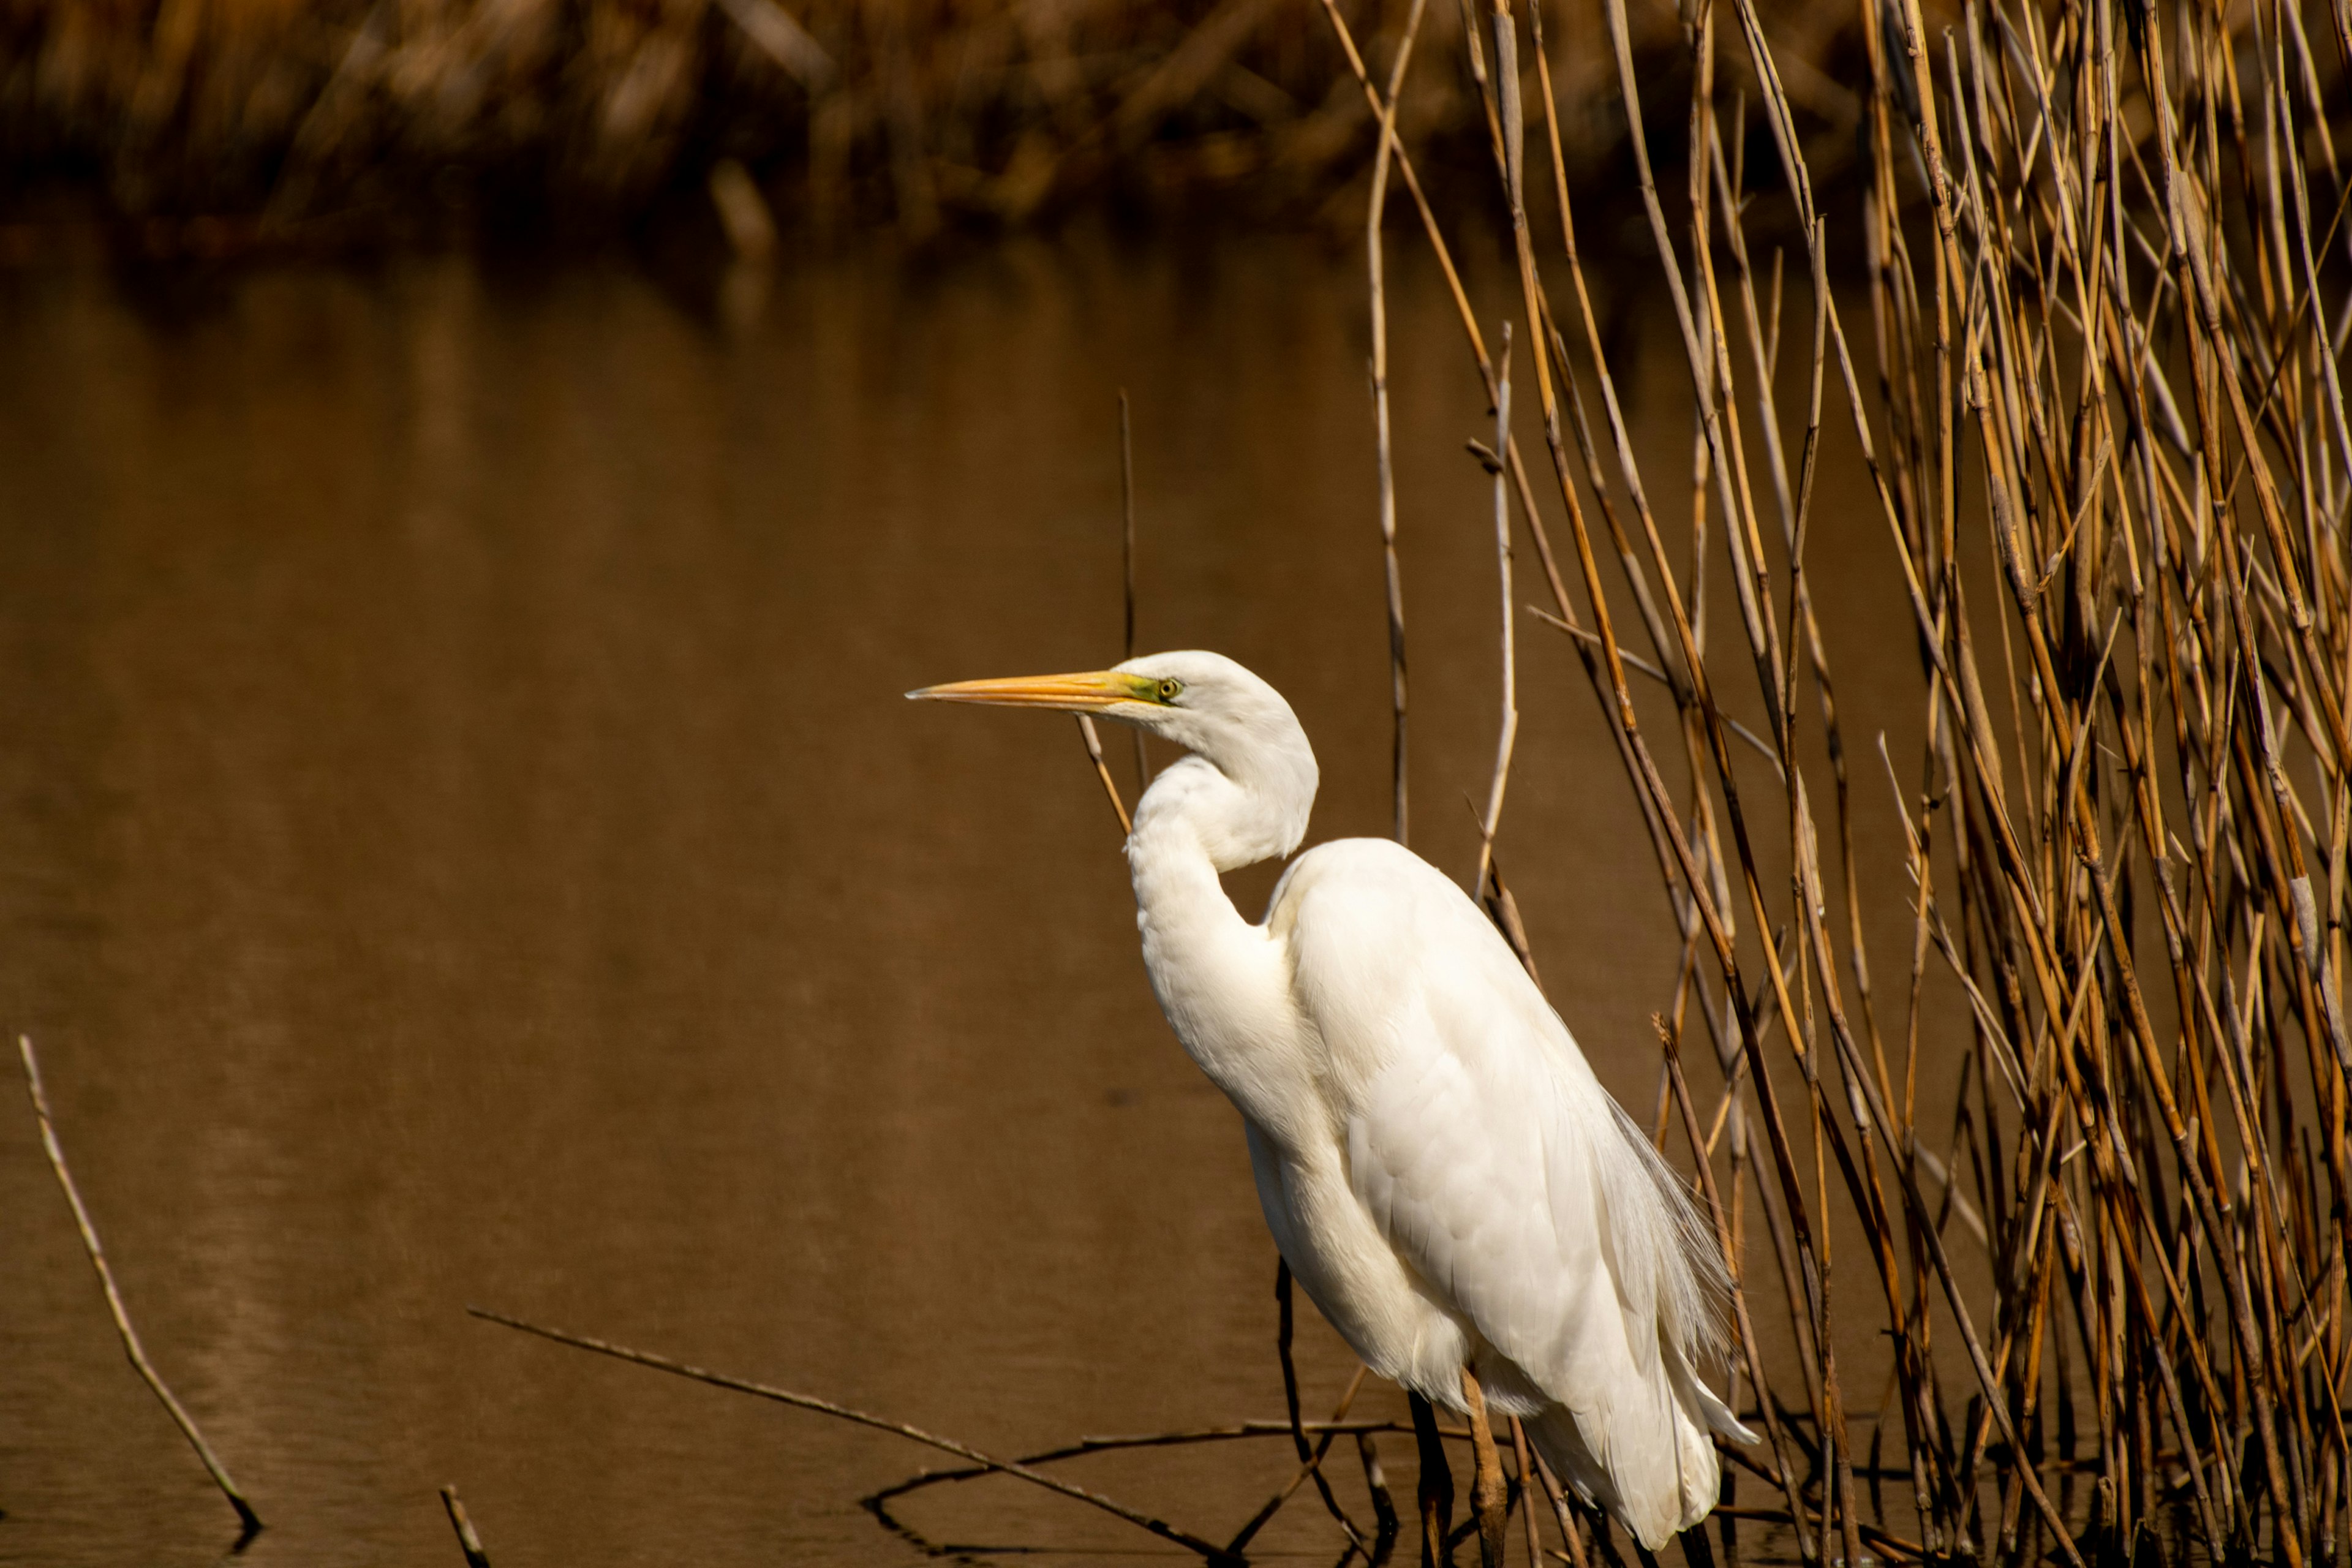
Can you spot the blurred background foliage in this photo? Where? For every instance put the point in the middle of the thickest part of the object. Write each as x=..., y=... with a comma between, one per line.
x=216, y=125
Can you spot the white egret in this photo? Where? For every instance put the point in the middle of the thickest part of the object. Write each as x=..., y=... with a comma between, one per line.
x=1448, y=1181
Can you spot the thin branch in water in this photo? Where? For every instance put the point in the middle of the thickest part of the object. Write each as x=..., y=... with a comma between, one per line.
x=1208, y=1550
x=1184, y=1437
x=1362, y=1432
x=250, y=1521
x=1310, y=1459
x=469, y=1541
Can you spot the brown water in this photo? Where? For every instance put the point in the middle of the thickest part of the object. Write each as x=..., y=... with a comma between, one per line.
x=461, y=841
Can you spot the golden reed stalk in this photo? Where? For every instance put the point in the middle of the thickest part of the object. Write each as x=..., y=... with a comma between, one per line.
x=2092, y=375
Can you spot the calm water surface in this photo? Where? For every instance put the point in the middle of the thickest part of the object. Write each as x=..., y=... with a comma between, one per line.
x=461, y=841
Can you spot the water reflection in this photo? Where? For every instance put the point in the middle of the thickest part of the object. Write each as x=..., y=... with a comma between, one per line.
x=463, y=842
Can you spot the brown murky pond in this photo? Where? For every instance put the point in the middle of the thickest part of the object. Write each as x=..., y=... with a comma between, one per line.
x=461, y=841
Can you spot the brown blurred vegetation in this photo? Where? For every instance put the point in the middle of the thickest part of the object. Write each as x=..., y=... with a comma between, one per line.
x=220, y=121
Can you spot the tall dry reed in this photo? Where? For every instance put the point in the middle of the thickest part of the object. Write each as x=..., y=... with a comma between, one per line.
x=2073, y=315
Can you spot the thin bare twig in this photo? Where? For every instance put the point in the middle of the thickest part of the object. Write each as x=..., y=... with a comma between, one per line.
x=1102, y=771
x=1310, y=1458
x=1377, y=210
x=1310, y=1464
x=469, y=1541
x=1507, y=736
x=1127, y=562
x=248, y=1521
x=1205, y=1549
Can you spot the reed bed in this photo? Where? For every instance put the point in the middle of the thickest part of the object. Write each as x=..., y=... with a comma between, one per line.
x=2090, y=365
x=299, y=118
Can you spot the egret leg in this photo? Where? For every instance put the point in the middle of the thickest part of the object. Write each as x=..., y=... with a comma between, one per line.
x=1606, y=1544
x=1487, y=1492
x=1384, y=1511
x=1436, y=1484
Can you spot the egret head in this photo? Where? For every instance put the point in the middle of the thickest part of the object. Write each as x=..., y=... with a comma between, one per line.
x=1203, y=702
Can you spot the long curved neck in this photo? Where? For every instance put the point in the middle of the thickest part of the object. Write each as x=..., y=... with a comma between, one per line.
x=1193, y=823
x=1233, y=822
x=1210, y=967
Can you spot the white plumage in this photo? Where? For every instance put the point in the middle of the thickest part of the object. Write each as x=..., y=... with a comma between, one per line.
x=1450, y=1183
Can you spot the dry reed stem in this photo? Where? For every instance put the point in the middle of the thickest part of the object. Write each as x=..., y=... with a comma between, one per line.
x=1508, y=734
x=1102, y=771
x=1126, y=564
x=1528, y=1490
x=468, y=1540
x=1087, y=732
x=2057, y=227
x=248, y=1521
x=1385, y=106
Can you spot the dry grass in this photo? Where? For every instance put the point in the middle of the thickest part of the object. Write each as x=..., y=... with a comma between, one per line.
x=282, y=117
x=2093, y=347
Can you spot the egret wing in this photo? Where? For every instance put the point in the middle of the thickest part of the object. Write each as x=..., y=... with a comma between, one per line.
x=1490, y=1158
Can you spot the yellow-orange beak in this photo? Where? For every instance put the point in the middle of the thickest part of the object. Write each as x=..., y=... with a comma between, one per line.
x=1088, y=692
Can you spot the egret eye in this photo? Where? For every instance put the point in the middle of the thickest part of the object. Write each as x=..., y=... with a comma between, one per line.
x=1169, y=689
